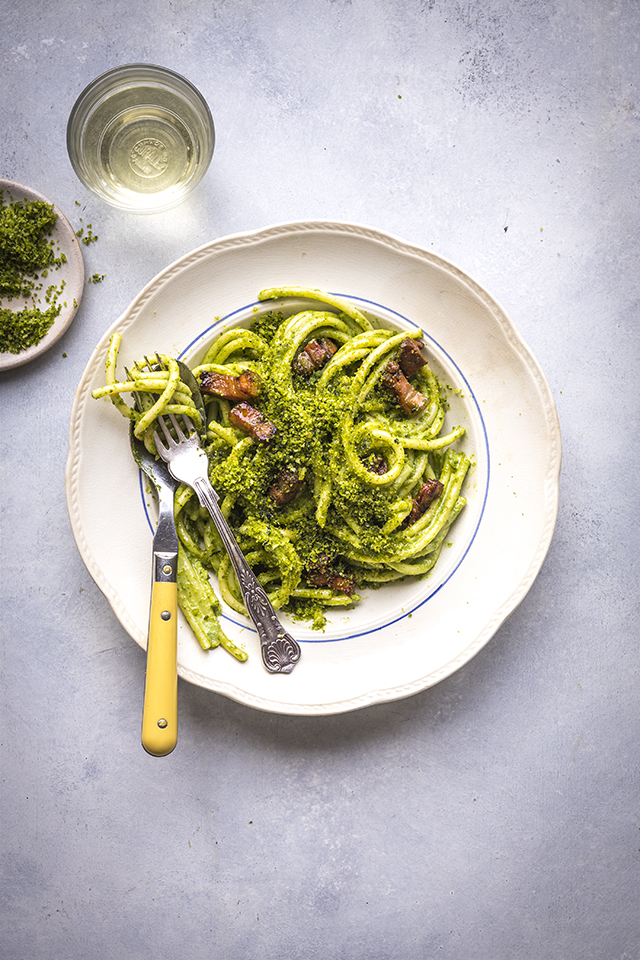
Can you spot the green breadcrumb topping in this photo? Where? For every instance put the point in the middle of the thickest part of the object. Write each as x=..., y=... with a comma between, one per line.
x=26, y=255
x=24, y=328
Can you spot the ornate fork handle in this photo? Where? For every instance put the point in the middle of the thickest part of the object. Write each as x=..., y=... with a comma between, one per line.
x=280, y=652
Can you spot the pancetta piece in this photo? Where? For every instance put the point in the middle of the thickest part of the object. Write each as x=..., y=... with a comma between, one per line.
x=428, y=492
x=285, y=488
x=320, y=575
x=379, y=466
x=410, y=357
x=251, y=421
x=409, y=399
x=246, y=386
x=314, y=356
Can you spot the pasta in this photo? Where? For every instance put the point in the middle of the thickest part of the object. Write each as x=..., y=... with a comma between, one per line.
x=352, y=482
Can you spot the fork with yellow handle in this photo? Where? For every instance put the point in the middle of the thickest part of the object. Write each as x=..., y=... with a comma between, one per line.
x=160, y=705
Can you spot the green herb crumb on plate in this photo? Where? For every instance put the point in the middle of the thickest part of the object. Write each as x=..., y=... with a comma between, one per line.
x=39, y=259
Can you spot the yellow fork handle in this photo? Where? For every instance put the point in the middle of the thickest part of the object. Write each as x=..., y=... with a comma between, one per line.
x=160, y=708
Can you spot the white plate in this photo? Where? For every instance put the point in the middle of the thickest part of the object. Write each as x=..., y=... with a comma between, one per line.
x=71, y=272
x=402, y=638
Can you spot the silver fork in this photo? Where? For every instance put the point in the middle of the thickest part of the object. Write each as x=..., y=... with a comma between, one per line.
x=189, y=463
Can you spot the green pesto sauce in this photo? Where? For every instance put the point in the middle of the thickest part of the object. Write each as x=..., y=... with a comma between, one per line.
x=26, y=255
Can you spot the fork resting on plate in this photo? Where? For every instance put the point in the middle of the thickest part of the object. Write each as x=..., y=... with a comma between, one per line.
x=189, y=464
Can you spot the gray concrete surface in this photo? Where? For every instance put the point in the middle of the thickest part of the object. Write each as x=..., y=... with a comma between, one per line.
x=494, y=816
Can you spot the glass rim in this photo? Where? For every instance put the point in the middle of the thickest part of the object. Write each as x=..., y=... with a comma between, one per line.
x=125, y=68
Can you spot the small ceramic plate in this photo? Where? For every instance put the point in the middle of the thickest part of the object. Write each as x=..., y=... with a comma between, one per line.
x=408, y=635
x=71, y=273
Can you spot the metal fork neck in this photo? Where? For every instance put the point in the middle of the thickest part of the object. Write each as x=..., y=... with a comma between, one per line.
x=280, y=652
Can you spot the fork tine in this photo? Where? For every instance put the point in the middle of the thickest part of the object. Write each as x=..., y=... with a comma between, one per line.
x=160, y=446
x=165, y=430
x=178, y=429
x=136, y=393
